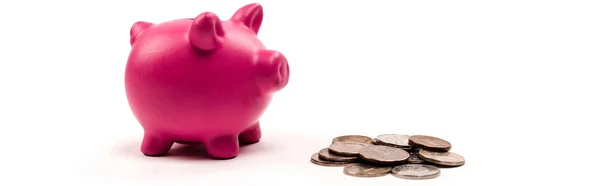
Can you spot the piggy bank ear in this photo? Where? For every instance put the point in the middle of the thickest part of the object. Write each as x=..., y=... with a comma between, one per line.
x=250, y=15
x=206, y=31
x=137, y=29
x=272, y=71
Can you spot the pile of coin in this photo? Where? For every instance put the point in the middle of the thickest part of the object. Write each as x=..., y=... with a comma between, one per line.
x=403, y=156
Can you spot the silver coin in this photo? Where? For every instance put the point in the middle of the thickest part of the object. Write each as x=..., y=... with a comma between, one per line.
x=364, y=170
x=449, y=159
x=416, y=171
x=353, y=138
x=414, y=159
x=325, y=155
x=394, y=140
x=346, y=148
x=380, y=154
x=316, y=160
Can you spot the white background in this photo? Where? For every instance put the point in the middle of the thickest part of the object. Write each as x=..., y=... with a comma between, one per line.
x=514, y=85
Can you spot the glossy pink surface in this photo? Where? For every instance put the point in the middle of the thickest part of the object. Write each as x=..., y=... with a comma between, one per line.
x=202, y=80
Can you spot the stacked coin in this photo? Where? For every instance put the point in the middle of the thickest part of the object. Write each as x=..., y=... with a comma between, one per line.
x=403, y=156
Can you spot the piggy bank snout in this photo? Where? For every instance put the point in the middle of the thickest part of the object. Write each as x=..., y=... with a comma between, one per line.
x=283, y=71
x=273, y=70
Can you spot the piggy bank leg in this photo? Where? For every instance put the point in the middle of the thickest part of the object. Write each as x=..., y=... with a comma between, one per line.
x=251, y=135
x=155, y=145
x=223, y=147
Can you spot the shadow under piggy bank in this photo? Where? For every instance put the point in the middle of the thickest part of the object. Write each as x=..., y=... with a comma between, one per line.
x=197, y=151
x=124, y=161
x=190, y=151
x=183, y=150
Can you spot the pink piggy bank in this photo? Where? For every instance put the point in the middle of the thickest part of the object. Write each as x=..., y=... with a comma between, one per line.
x=202, y=80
